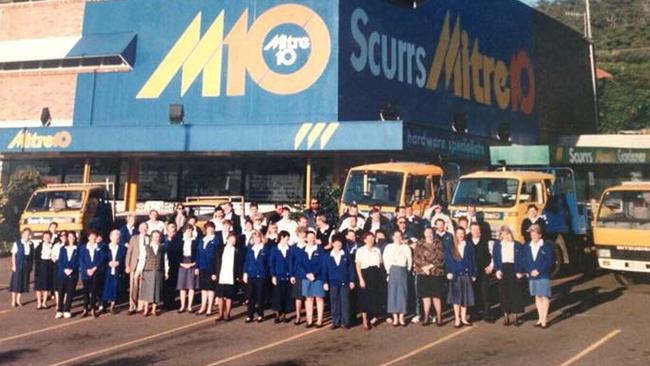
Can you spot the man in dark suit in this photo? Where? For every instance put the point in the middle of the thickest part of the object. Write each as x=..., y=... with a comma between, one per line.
x=484, y=270
x=229, y=214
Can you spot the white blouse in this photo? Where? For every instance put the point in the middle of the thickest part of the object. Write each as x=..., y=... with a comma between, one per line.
x=461, y=248
x=113, y=249
x=535, y=247
x=14, y=248
x=187, y=247
x=398, y=255
x=46, y=251
x=337, y=256
x=226, y=276
x=368, y=257
x=507, y=252
x=310, y=249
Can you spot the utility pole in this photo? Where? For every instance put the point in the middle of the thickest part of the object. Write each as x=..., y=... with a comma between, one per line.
x=592, y=60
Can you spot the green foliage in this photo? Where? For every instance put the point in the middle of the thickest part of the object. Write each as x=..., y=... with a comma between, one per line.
x=621, y=32
x=13, y=199
x=329, y=197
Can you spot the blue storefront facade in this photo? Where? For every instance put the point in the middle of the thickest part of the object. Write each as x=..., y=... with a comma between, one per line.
x=274, y=88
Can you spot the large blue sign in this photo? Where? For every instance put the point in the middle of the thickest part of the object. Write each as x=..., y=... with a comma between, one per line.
x=445, y=58
x=227, y=62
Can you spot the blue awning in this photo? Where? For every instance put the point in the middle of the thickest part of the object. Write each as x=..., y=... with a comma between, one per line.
x=108, y=45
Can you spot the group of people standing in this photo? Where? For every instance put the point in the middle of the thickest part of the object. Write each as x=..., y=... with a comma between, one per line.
x=379, y=267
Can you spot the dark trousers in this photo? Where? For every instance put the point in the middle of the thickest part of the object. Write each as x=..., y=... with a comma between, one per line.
x=169, y=292
x=92, y=291
x=340, y=304
x=256, y=296
x=482, y=293
x=66, y=289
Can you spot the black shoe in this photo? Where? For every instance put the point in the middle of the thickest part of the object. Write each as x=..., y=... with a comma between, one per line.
x=277, y=320
x=468, y=324
x=260, y=319
x=506, y=321
x=518, y=322
x=459, y=325
x=248, y=319
x=308, y=325
x=334, y=326
x=537, y=325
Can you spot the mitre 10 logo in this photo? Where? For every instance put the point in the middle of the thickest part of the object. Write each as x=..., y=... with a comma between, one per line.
x=284, y=51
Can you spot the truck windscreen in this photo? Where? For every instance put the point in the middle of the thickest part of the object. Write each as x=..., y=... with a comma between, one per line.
x=625, y=210
x=55, y=201
x=486, y=192
x=374, y=188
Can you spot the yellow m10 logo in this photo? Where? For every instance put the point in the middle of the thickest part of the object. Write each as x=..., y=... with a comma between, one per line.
x=192, y=55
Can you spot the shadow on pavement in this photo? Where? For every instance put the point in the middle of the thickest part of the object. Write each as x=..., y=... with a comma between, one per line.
x=581, y=301
x=124, y=361
x=13, y=355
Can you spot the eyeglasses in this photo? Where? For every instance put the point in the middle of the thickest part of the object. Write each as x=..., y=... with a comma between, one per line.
x=401, y=222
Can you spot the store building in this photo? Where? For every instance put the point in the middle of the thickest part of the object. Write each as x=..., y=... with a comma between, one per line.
x=271, y=99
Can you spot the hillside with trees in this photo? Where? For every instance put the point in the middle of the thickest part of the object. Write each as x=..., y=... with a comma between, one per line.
x=621, y=34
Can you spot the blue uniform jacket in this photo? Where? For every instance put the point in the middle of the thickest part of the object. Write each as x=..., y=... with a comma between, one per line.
x=125, y=235
x=466, y=266
x=205, y=256
x=99, y=260
x=315, y=264
x=342, y=274
x=257, y=267
x=64, y=262
x=498, y=262
x=119, y=257
x=295, y=256
x=279, y=265
x=544, y=262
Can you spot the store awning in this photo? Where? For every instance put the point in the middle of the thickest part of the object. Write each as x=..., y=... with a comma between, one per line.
x=88, y=51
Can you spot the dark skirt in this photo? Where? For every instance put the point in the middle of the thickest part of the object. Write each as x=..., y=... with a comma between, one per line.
x=430, y=286
x=205, y=282
x=511, y=291
x=43, y=276
x=227, y=291
x=296, y=290
x=281, y=298
x=20, y=279
x=461, y=291
x=151, y=287
x=186, y=279
x=372, y=299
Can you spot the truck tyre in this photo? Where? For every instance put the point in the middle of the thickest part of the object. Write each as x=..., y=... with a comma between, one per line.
x=633, y=281
x=559, y=261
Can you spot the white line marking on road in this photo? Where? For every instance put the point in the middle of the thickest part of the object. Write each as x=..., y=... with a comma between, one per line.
x=589, y=349
x=425, y=347
x=130, y=343
x=244, y=354
x=54, y=327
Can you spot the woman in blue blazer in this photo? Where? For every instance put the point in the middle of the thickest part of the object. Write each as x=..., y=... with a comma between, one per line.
x=280, y=266
x=295, y=255
x=205, y=254
x=311, y=262
x=461, y=272
x=92, y=263
x=507, y=257
x=256, y=275
x=538, y=260
x=338, y=277
x=114, y=279
x=67, y=272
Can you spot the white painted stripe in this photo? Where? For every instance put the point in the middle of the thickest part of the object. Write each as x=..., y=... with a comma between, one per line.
x=591, y=348
x=328, y=133
x=426, y=347
x=35, y=123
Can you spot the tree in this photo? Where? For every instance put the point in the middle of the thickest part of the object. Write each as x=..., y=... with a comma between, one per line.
x=621, y=32
x=13, y=199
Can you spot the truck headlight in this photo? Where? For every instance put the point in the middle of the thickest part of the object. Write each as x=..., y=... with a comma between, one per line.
x=604, y=253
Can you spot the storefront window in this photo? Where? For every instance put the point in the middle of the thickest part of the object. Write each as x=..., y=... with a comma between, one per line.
x=210, y=177
x=158, y=180
x=279, y=180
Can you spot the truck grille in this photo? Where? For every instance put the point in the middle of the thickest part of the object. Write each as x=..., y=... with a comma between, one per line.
x=631, y=255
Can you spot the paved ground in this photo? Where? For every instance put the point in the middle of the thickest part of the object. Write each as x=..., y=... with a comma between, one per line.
x=595, y=322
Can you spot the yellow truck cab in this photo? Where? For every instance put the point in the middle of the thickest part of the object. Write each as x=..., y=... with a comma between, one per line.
x=75, y=207
x=502, y=197
x=390, y=185
x=203, y=207
x=622, y=232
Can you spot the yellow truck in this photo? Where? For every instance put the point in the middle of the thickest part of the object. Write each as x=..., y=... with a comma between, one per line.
x=622, y=232
x=390, y=185
x=75, y=207
x=503, y=198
